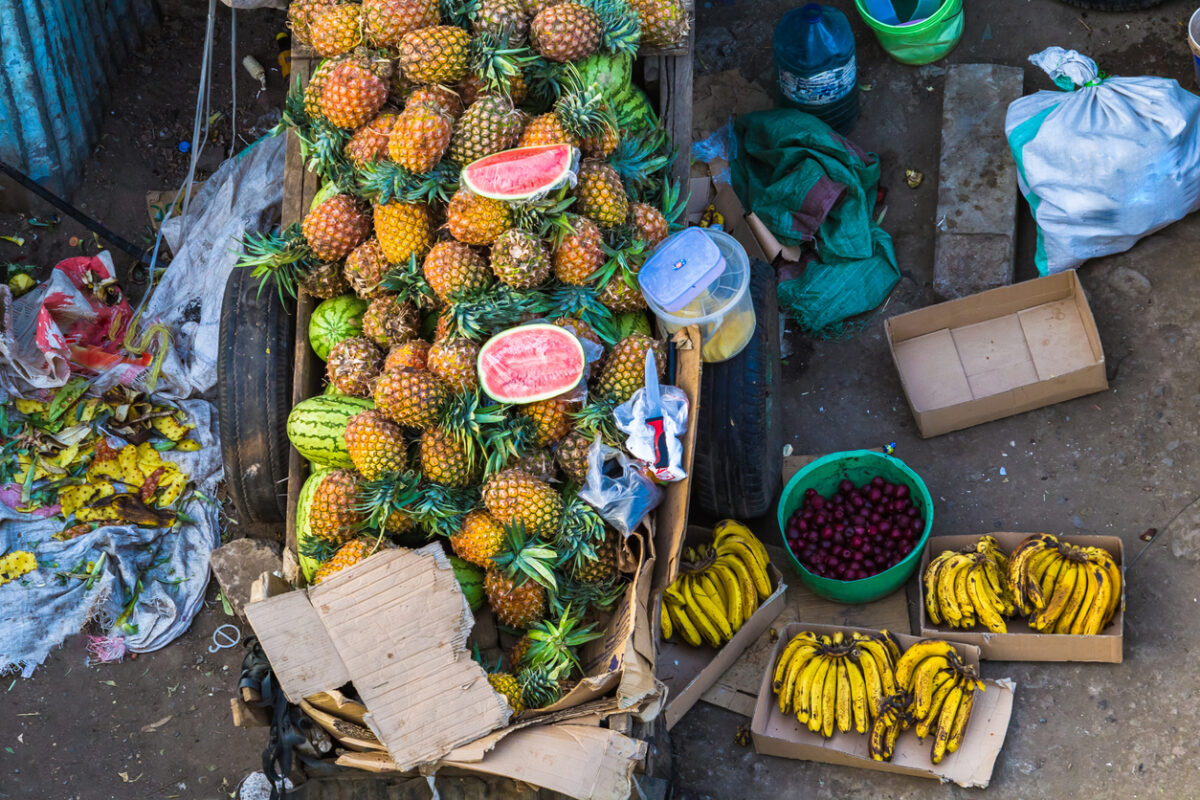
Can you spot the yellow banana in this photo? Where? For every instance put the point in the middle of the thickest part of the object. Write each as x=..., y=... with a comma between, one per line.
x=924, y=694
x=1102, y=558
x=858, y=695
x=923, y=677
x=829, y=700
x=716, y=590
x=883, y=663
x=735, y=606
x=960, y=594
x=960, y=721
x=1016, y=567
x=795, y=668
x=891, y=643
x=687, y=628
x=696, y=613
x=1035, y=570
x=1075, y=603
x=794, y=645
x=919, y=651
x=665, y=620
x=1094, y=622
x=845, y=716
x=802, y=694
x=929, y=581
x=935, y=707
x=702, y=590
x=729, y=527
x=873, y=682
x=1064, y=587
x=816, y=697
x=1050, y=578
x=986, y=609
x=739, y=549
x=945, y=724
x=749, y=592
x=947, y=600
x=995, y=582
x=1080, y=621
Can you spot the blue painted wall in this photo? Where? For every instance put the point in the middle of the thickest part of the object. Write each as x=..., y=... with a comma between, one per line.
x=57, y=58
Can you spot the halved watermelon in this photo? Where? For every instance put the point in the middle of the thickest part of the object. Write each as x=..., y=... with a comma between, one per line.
x=530, y=363
x=522, y=173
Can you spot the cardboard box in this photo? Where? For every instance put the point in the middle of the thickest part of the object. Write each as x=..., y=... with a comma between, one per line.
x=688, y=671
x=997, y=353
x=396, y=625
x=710, y=185
x=1022, y=643
x=777, y=734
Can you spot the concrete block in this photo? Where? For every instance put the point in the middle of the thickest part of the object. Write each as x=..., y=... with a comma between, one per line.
x=977, y=182
x=238, y=564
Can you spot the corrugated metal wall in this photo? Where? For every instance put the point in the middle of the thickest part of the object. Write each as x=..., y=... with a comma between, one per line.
x=57, y=58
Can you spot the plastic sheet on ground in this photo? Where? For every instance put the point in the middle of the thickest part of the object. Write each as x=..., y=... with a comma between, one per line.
x=40, y=609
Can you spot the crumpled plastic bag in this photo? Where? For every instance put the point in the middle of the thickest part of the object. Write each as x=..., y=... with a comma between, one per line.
x=644, y=442
x=1104, y=162
x=621, y=492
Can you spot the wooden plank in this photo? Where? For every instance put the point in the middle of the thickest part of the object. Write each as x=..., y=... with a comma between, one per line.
x=674, y=77
x=670, y=518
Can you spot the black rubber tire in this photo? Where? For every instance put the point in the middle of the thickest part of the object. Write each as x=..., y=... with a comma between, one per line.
x=254, y=395
x=739, y=436
x=1113, y=5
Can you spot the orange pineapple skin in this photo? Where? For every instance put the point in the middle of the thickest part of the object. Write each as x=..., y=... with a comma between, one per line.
x=476, y=220
x=420, y=137
x=566, y=32
x=480, y=538
x=334, y=29
x=453, y=270
x=436, y=54
x=385, y=22
x=580, y=253
x=376, y=444
x=335, y=227
x=403, y=230
x=352, y=94
x=515, y=605
x=411, y=355
x=453, y=360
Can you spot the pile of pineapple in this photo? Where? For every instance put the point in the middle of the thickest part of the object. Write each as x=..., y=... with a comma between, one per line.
x=409, y=92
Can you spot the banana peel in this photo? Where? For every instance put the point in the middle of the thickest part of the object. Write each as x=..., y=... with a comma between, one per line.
x=125, y=509
x=169, y=427
x=73, y=498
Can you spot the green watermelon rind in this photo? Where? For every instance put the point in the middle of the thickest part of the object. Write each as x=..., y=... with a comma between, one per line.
x=316, y=427
x=609, y=73
x=308, y=565
x=322, y=325
x=491, y=384
x=470, y=580
x=473, y=175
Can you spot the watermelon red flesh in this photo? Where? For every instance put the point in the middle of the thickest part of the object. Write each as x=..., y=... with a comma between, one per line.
x=521, y=173
x=317, y=428
x=530, y=363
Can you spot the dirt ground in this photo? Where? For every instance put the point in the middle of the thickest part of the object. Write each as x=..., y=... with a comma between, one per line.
x=1115, y=463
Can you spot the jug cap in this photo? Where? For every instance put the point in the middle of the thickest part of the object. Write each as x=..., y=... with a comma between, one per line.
x=682, y=267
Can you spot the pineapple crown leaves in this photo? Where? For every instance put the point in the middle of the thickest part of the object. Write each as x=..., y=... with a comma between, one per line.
x=582, y=109
x=539, y=686
x=495, y=62
x=583, y=302
x=522, y=559
x=317, y=549
x=322, y=146
x=546, y=217
x=602, y=595
x=440, y=509
x=468, y=421
x=393, y=493
x=507, y=441
x=458, y=13
x=384, y=181
x=294, y=115
x=639, y=161
x=283, y=258
x=622, y=26
x=408, y=283
x=673, y=204
x=597, y=418
x=488, y=311
x=543, y=82
x=580, y=529
x=552, y=644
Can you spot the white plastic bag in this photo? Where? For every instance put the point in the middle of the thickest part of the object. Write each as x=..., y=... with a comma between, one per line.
x=1105, y=162
x=623, y=495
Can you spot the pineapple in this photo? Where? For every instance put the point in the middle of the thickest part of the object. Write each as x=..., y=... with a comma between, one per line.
x=413, y=398
x=580, y=113
x=403, y=230
x=385, y=22
x=443, y=96
x=552, y=644
x=601, y=194
x=335, y=227
x=539, y=687
x=581, y=329
x=347, y=555
x=571, y=453
x=519, y=260
x=370, y=142
x=580, y=253
x=325, y=280
x=421, y=136
x=552, y=419
x=390, y=320
x=516, y=656
x=376, y=444
x=473, y=87
x=489, y=125
x=517, y=498
x=480, y=537
x=453, y=270
x=566, y=32
x=300, y=14
x=625, y=369
x=353, y=93
x=316, y=85
x=621, y=293
x=502, y=18
x=353, y=365
x=516, y=583
x=413, y=355
x=506, y=684
x=448, y=459
x=333, y=513
x=603, y=143
x=436, y=54
x=582, y=534
x=648, y=223
x=538, y=463
x=535, y=7
x=453, y=360
x=334, y=29
x=601, y=564
x=473, y=219
x=664, y=22
x=365, y=270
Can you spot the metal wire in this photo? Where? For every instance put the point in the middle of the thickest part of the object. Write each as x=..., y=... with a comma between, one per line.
x=233, y=71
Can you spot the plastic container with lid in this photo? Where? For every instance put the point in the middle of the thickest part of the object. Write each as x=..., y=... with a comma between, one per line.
x=815, y=64
x=701, y=277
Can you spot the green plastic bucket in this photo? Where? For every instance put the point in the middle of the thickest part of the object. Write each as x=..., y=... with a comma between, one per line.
x=921, y=42
x=859, y=466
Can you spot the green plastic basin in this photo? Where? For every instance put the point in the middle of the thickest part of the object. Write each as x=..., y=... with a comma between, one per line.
x=859, y=466
x=921, y=42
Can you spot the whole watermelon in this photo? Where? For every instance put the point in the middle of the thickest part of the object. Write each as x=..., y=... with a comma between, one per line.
x=610, y=74
x=333, y=320
x=633, y=111
x=317, y=428
x=308, y=564
x=470, y=579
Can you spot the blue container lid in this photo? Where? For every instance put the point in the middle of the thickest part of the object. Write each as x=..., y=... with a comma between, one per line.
x=682, y=267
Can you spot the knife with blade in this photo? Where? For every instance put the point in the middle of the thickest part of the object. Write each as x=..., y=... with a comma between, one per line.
x=654, y=414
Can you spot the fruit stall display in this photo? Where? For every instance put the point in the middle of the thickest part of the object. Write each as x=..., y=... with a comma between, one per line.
x=486, y=182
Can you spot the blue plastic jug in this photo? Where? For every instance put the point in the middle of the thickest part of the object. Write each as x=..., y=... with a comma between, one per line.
x=815, y=64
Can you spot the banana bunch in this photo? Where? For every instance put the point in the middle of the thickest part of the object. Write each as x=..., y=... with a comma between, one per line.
x=1062, y=588
x=719, y=587
x=963, y=587
x=936, y=694
x=835, y=681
